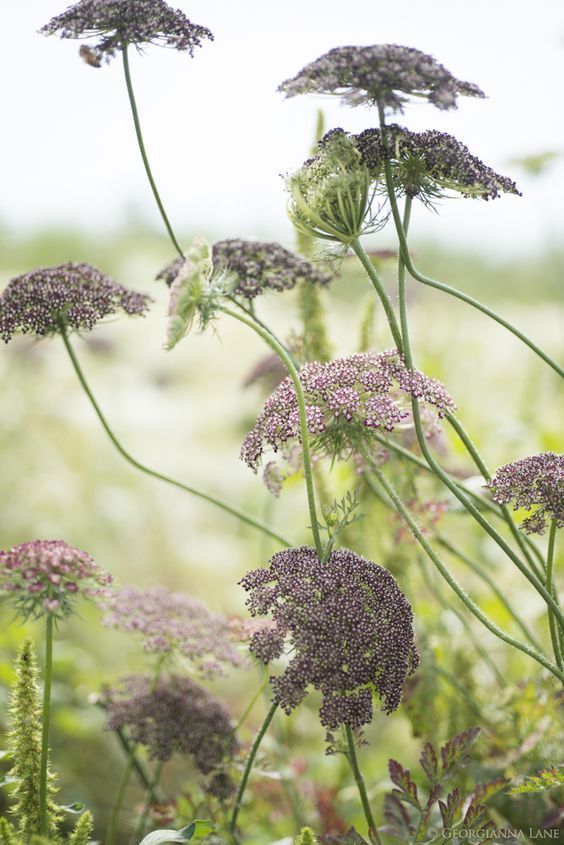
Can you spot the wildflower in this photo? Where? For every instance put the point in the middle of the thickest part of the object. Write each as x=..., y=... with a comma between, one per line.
x=117, y=23
x=72, y=295
x=173, y=715
x=535, y=483
x=191, y=293
x=173, y=623
x=46, y=576
x=424, y=164
x=345, y=400
x=347, y=626
x=382, y=73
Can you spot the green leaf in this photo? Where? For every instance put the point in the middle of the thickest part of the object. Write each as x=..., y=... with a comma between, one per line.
x=456, y=752
x=546, y=779
x=75, y=807
x=159, y=836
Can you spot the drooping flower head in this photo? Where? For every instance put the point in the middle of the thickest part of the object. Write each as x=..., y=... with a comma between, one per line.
x=73, y=295
x=117, y=23
x=425, y=164
x=346, y=625
x=173, y=715
x=46, y=576
x=384, y=73
x=346, y=400
x=173, y=623
x=535, y=483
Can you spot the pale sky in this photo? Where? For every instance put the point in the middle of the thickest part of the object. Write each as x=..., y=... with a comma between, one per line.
x=219, y=135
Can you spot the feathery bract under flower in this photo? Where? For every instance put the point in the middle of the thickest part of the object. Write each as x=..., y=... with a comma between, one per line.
x=534, y=483
x=348, y=628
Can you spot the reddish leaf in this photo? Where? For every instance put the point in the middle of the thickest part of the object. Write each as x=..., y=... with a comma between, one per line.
x=456, y=752
x=452, y=809
x=429, y=762
x=407, y=790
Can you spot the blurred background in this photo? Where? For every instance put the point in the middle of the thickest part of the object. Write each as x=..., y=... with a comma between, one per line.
x=219, y=136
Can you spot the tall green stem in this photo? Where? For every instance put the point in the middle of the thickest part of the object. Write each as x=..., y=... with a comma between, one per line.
x=142, y=150
x=372, y=274
x=142, y=826
x=420, y=277
x=46, y=720
x=554, y=632
x=239, y=514
x=361, y=786
x=280, y=350
x=248, y=767
x=120, y=795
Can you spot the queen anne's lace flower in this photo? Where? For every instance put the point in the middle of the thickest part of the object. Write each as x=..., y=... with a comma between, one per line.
x=74, y=296
x=347, y=628
x=384, y=73
x=46, y=576
x=173, y=715
x=535, y=483
x=120, y=22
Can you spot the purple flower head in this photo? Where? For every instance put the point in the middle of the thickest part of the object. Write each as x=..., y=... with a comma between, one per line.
x=346, y=400
x=347, y=627
x=425, y=164
x=72, y=295
x=381, y=73
x=173, y=623
x=117, y=23
x=45, y=576
x=535, y=483
x=173, y=715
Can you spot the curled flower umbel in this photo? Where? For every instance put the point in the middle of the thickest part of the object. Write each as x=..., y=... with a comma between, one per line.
x=535, y=483
x=175, y=715
x=173, y=623
x=47, y=576
x=388, y=74
x=117, y=23
x=346, y=625
x=346, y=400
x=72, y=296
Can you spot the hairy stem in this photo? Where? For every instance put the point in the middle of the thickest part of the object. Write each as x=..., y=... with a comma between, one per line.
x=142, y=150
x=372, y=274
x=224, y=506
x=361, y=786
x=554, y=632
x=46, y=719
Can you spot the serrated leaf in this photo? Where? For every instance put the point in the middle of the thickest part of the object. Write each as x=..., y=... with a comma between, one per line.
x=456, y=752
x=397, y=819
x=477, y=818
x=452, y=809
x=484, y=791
x=425, y=818
x=351, y=837
x=407, y=790
x=545, y=779
x=429, y=763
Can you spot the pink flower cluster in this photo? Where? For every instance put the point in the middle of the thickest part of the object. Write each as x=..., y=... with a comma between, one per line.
x=44, y=576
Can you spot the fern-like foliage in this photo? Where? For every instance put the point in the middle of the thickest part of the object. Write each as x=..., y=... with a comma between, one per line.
x=545, y=779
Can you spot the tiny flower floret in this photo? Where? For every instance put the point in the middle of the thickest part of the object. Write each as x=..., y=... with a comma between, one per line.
x=346, y=626
x=173, y=623
x=535, y=483
x=346, y=400
x=117, y=23
x=46, y=576
x=173, y=715
x=72, y=295
x=382, y=73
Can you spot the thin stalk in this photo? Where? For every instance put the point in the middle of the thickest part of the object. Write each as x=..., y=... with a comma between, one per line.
x=239, y=514
x=554, y=633
x=248, y=767
x=383, y=296
x=453, y=584
x=251, y=704
x=120, y=795
x=361, y=786
x=279, y=349
x=46, y=719
x=426, y=280
x=142, y=150
x=142, y=826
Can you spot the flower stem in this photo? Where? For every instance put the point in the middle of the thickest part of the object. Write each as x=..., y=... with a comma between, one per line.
x=249, y=765
x=120, y=795
x=46, y=718
x=142, y=150
x=142, y=826
x=372, y=274
x=554, y=633
x=420, y=277
x=280, y=350
x=239, y=514
x=361, y=785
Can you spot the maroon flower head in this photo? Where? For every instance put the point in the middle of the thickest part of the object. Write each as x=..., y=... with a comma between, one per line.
x=535, y=483
x=72, y=295
x=173, y=715
x=346, y=625
x=120, y=22
x=346, y=400
x=173, y=623
x=384, y=73
x=46, y=576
